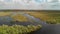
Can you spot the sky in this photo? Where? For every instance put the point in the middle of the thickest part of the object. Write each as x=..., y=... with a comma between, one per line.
x=30, y=4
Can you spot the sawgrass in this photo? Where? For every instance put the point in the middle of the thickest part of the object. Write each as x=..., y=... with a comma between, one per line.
x=51, y=17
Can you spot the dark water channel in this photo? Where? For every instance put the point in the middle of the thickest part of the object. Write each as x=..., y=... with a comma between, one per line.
x=49, y=29
x=46, y=28
x=6, y=20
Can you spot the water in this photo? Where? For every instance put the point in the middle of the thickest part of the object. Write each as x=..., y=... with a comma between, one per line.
x=36, y=20
x=49, y=29
x=46, y=28
x=7, y=20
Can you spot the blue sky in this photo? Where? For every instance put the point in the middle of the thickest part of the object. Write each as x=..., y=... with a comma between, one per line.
x=32, y=5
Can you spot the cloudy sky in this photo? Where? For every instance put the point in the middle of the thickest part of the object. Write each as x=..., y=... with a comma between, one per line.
x=29, y=4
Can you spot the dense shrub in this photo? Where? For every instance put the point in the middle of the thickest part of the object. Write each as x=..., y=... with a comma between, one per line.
x=18, y=29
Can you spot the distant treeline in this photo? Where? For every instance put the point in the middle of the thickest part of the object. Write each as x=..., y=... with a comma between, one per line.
x=32, y=10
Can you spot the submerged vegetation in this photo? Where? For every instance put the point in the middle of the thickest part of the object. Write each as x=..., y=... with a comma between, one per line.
x=18, y=29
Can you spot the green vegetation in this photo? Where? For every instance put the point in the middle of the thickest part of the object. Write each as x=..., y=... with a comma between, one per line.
x=51, y=17
x=4, y=13
x=19, y=18
x=18, y=29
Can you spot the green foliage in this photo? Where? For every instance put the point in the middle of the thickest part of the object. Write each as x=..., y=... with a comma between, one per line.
x=18, y=29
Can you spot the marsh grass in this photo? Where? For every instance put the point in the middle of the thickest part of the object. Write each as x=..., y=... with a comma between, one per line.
x=18, y=29
x=20, y=18
x=50, y=17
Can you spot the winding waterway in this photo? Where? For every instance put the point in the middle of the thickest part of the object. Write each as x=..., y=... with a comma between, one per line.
x=46, y=28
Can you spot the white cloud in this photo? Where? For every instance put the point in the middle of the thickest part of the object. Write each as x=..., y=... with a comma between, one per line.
x=22, y=4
